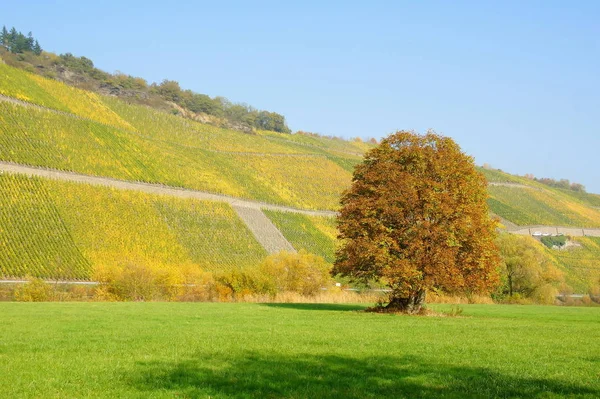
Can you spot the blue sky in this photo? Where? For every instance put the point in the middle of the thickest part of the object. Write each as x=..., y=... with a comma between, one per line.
x=515, y=83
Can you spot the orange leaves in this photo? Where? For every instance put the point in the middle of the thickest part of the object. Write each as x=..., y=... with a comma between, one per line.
x=416, y=215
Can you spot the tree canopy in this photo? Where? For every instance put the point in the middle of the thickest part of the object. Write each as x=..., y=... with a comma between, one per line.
x=17, y=42
x=416, y=218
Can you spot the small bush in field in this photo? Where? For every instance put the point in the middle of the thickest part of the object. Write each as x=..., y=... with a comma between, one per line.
x=301, y=272
x=546, y=294
x=138, y=282
x=36, y=290
x=238, y=284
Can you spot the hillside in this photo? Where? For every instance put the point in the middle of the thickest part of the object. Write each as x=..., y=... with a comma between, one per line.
x=525, y=202
x=82, y=132
x=54, y=229
x=46, y=225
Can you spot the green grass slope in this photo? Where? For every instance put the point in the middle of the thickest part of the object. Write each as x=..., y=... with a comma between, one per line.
x=202, y=350
x=53, y=229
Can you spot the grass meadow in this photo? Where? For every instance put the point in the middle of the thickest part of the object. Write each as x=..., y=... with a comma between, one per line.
x=211, y=350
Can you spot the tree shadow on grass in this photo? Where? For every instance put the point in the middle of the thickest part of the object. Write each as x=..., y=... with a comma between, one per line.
x=260, y=375
x=316, y=306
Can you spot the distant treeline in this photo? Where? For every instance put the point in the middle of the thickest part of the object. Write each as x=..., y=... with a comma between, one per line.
x=17, y=42
x=562, y=183
x=219, y=109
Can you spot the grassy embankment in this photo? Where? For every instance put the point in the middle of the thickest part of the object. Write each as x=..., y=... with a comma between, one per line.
x=133, y=350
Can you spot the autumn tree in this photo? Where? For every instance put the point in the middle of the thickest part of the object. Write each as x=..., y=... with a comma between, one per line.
x=526, y=271
x=416, y=219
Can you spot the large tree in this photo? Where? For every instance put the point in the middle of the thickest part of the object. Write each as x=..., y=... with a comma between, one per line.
x=416, y=219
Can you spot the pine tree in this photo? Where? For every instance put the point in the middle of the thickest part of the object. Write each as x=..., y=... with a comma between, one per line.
x=4, y=36
x=11, y=39
x=37, y=49
x=30, y=42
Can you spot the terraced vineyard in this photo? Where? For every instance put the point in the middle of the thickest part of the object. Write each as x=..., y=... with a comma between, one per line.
x=53, y=229
x=55, y=95
x=314, y=234
x=36, y=137
x=33, y=238
x=534, y=206
x=47, y=228
x=581, y=263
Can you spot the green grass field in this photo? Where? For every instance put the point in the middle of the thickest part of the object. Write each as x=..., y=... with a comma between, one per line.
x=190, y=350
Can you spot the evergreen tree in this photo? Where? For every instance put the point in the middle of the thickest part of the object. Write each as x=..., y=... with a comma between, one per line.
x=37, y=49
x=4, y=36
x=30, y=42
x=12, y=36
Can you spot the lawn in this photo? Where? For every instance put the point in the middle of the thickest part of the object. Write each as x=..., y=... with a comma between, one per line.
x=156, y=350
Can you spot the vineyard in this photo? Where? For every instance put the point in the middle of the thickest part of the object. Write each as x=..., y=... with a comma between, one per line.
x=586, y=198
x=313, y=234
x=53, y=229
x=176, y=130
x=581, y=263
x=55, y=95
x=64, y=230
x=315, y=143
x=20, y=85
x=34, y=241
x=533, y=206
x=496, y=176
x=36, y=137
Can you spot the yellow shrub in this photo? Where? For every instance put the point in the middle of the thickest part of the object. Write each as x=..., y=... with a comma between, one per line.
x=303, y=273
x=138, y=282
x=36, y=290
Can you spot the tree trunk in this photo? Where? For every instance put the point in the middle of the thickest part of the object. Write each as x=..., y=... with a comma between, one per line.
x=411, y=304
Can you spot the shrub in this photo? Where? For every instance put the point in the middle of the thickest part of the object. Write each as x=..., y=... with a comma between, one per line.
x=141, y=282
x=301, y=272
x=36, y=290
x=545, y=294
x=239, y=284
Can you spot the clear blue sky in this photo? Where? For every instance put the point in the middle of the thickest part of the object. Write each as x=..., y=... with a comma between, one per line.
x=515, y=83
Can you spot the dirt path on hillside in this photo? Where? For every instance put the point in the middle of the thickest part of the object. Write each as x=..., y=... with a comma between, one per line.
x=150, y=188
x=515, y=185
x=202, y=195
x=553, y=230
x=263, y=229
